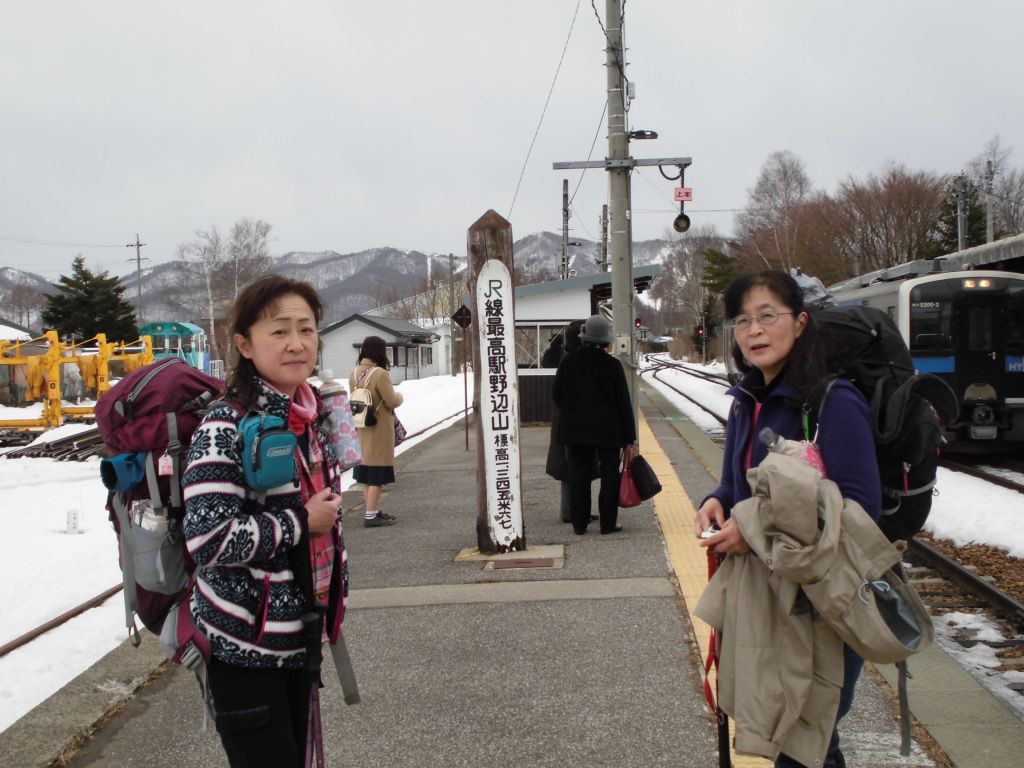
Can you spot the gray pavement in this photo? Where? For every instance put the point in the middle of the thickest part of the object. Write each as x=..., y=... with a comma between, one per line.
x=590, y=664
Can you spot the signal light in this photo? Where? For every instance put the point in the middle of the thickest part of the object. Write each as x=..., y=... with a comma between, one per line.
x=637, y=323
x=700, y=330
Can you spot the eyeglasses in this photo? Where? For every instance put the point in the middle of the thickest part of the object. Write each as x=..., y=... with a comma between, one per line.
x=765, y=319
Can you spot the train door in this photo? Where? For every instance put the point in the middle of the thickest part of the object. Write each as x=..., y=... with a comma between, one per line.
x=978, y=329
x=980, y=341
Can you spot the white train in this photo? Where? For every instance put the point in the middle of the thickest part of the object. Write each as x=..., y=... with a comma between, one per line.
x=966, y=327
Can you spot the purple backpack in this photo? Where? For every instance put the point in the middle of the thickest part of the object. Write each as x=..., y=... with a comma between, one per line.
x=146, y=421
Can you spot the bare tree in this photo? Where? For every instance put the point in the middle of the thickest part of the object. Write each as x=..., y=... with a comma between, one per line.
x=991, y=172
x=205, y=257
x=248, y=252
x=23, y=303
x=678, y=289
x=769, y=225
x=874, y=223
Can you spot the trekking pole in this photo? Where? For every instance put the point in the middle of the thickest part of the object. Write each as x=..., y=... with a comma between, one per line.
x=314, y=731
x=724, y=754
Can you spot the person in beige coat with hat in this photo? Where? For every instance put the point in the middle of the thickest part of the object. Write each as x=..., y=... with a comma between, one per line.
x=377, y=442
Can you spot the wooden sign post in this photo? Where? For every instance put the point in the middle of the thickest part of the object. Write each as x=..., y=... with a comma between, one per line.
x=499, y=525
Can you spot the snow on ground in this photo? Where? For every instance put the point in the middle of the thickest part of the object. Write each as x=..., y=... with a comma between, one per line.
x=980, y=659
x=45, y=570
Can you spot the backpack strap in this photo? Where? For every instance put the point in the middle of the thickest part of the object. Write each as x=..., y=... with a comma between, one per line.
x=131, y=596
x=154, y=486
x=821, y=408
x=259, y=497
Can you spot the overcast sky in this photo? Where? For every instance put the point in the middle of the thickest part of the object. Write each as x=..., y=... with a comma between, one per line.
x=351, y=125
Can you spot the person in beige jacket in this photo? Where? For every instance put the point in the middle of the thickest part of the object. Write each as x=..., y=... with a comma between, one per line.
x=377, y=442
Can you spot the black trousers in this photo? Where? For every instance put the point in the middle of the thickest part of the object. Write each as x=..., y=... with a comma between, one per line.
x=262, y=714
x=581, y=460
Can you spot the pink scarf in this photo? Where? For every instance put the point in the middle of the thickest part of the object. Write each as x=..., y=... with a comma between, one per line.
x=313, y=479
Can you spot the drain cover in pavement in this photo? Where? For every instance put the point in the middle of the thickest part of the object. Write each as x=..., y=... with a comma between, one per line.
x=525, y=562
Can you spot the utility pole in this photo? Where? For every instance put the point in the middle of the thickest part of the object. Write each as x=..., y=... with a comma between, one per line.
x=138, y=276
x=989, y=174
x=961, y=212
x=451, y=308
x=619, y=164
x=604, y=238
x=563, y=272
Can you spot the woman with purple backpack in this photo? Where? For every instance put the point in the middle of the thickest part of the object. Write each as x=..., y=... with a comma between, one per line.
x=272, y=572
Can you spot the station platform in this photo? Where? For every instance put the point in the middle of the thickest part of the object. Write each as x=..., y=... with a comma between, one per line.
x=587, y=658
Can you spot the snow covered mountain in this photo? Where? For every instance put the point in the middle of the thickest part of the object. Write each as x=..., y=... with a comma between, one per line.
x=354, y=282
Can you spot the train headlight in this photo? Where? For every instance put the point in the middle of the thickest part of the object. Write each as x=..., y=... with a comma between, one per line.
x=983, y=415
x=983, y=282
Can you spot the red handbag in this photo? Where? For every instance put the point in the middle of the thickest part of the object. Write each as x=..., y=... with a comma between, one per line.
x=629, y=495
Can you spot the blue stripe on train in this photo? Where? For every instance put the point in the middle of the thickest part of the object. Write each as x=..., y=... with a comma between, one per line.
x=935, y=364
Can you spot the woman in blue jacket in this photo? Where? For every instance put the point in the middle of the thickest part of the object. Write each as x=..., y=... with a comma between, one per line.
x=779, y=349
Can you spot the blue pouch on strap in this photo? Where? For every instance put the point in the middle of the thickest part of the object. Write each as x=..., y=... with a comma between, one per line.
x=268, y=451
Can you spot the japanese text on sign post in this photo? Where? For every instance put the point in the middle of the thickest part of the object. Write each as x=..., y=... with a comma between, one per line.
x=499, y=402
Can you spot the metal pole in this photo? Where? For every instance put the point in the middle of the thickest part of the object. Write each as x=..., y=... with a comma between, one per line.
x=564, y=271
x=138, y=276
x=452, y=356
x=465, y=389
x=621, y=256
x=961, y=224
x=989, y=236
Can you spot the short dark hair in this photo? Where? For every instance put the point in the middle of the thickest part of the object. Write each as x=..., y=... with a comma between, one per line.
x=809, y=365
x=376, y=349
x=258, y=299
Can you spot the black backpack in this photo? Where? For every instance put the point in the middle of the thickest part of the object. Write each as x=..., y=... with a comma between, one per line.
x=908, y=409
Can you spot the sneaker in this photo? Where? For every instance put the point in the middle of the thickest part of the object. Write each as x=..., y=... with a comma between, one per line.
x=377, y=521
x=385, y=515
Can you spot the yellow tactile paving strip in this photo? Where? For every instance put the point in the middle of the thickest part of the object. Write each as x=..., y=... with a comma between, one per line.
x=688, y=560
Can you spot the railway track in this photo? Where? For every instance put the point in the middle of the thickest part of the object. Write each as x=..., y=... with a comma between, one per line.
x=79, y=448
x=982, y=590
x=661, y=365
x=987, y=473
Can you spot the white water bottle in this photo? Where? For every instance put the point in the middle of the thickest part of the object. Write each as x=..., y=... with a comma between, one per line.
x=775, y=442
x=340, y=426
x=332, y=393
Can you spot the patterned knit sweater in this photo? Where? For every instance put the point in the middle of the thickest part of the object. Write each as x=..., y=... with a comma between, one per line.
x=246, y=600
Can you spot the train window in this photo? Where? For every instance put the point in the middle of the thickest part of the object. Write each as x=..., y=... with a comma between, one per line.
x=931, y=326
x=1015, y=322
x=979, y=329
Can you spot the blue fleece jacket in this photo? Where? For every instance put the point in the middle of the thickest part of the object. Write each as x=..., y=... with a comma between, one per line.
x=844, y=438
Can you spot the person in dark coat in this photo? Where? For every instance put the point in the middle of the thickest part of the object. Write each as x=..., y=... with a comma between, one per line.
x=557, y=463
x=595, y=416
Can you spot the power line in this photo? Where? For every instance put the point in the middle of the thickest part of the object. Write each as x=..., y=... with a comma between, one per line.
x=544, y=110
x=33, y=241
x=615, y=50
x=597, y=132
x=688, y=210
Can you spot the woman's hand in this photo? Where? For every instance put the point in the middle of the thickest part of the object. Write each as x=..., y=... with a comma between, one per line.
x=711, y=513
x=322, y=510
x=728, y=541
